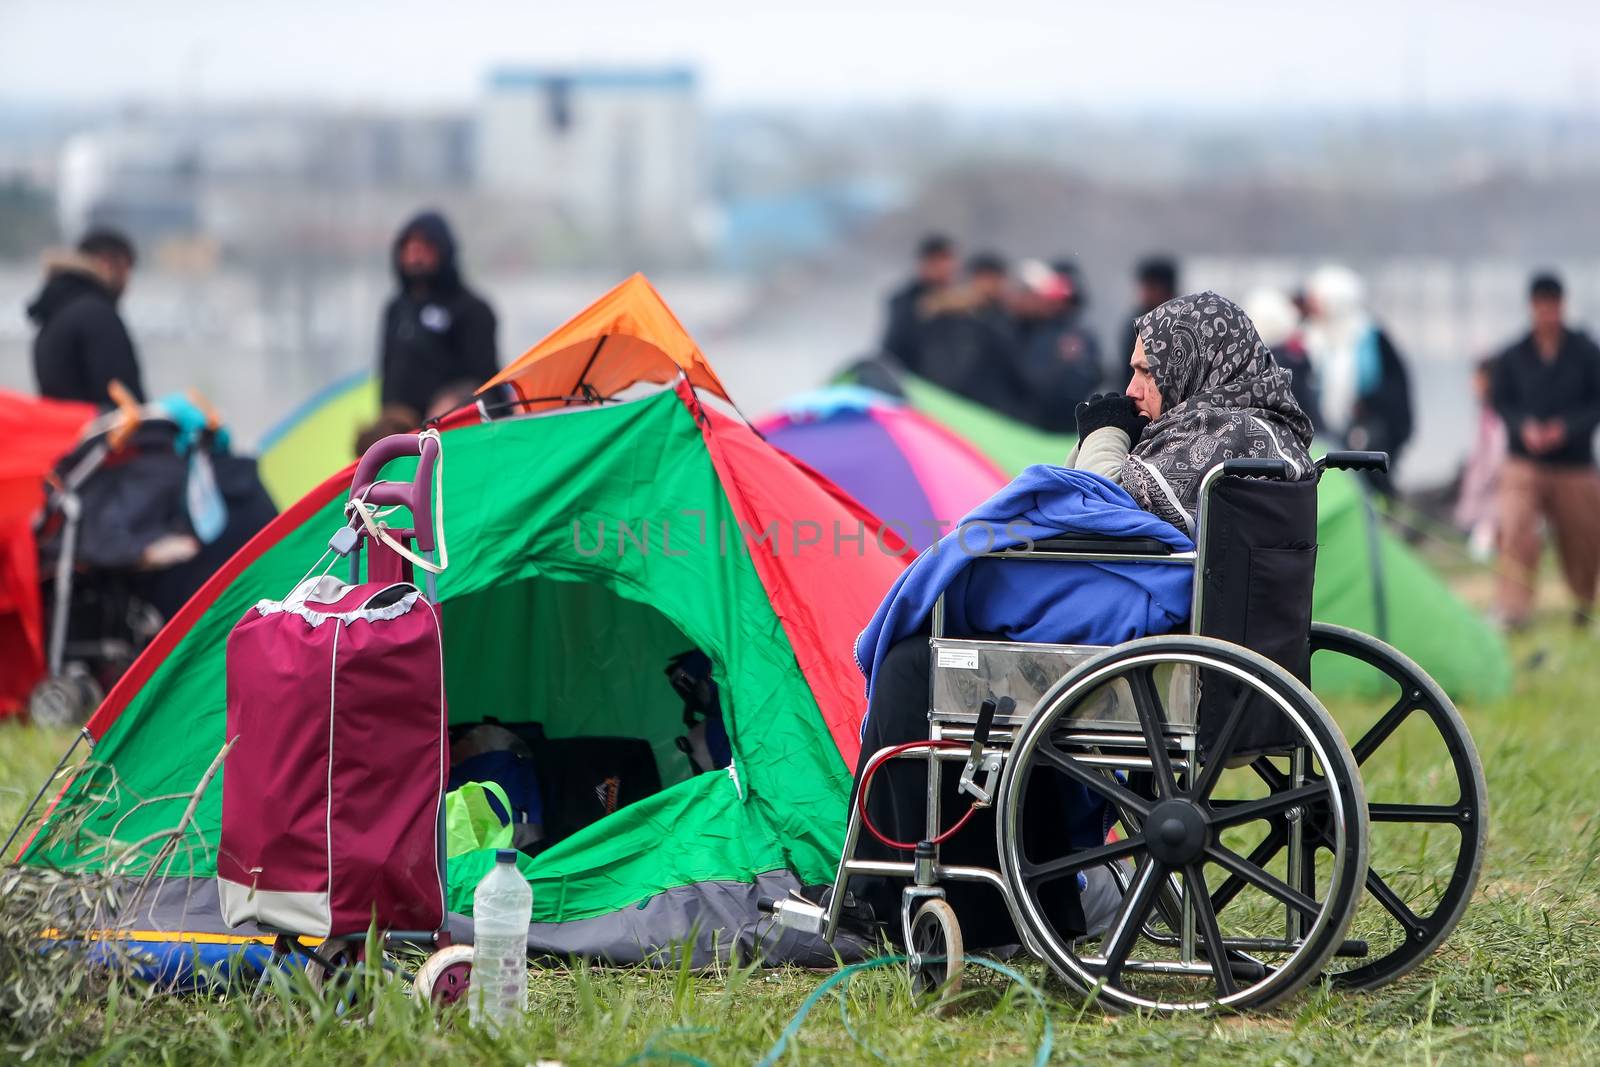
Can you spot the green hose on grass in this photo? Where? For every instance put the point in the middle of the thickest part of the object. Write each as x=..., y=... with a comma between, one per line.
x=792, y=1028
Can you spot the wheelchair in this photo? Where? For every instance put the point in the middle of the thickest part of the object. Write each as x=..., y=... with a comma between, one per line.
x=1237, y=839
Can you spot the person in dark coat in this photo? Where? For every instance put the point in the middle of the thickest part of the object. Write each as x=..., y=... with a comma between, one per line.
x=966, y=335
x=1156, y=281
x=1546, y=389
x=82, y=345
x=1058, y=363
x=936, y=271
x=438, y=334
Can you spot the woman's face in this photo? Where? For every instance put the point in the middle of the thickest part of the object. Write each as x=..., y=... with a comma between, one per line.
x=1146, y=396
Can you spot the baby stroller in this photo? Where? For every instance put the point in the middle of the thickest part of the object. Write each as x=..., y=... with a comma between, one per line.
x=1236, y=824
x=136, y=518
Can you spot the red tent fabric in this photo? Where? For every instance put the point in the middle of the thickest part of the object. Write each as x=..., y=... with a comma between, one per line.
x=36, y=433
x=810, y=541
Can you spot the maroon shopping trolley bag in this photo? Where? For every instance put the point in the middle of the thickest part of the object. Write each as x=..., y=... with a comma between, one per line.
x=331, y=792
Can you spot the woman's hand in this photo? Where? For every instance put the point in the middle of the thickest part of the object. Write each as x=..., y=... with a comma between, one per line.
x=1111, y=409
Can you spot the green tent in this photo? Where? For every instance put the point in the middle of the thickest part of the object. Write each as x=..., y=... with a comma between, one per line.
x=1367, y=578
x=588, y=543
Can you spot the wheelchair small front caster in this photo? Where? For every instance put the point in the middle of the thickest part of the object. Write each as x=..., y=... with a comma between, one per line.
x=936, y=955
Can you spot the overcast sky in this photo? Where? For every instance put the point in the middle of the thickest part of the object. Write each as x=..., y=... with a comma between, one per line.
x=1111, y=55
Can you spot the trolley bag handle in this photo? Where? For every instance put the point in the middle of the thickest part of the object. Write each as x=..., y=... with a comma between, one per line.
x=367, y=494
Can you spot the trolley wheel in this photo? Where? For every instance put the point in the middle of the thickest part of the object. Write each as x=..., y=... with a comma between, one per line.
x=937, y=957
x=1408, y=912
x=332, y=964
x=1206, y=921
x=445, y=976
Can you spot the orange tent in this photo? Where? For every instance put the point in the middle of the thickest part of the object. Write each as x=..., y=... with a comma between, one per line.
x=627, y=336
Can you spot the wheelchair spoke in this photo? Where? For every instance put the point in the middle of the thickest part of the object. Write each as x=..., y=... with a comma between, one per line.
x=1125, y=929
x=1077, y=861
x=1232, y=812
x=1210, y=931
x=1268, y=773
x=1147, y=702
x=1095, y=780
x=1383, y=728
x=1391, y=902
x=1416, y=813
x=1267, y=883
x=1222, y=748
x=1269, y=847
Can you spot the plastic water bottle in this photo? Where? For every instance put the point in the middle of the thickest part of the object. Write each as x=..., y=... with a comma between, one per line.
x=502, y=909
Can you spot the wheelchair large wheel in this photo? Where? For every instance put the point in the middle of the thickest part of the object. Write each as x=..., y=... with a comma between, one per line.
x=1424, y=858
x=1211, y=917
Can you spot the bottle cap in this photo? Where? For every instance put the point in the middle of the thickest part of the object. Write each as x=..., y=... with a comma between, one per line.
x=505, y=855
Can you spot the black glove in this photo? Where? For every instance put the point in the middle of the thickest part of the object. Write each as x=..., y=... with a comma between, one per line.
x=1111, y=409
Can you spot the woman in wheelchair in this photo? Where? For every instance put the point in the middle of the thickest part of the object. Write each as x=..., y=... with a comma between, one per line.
x=1204, y=389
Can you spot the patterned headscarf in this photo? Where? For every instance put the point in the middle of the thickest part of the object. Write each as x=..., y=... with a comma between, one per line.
x=1223, y=397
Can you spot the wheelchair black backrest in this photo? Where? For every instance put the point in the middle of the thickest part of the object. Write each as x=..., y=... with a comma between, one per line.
x=1258, y=556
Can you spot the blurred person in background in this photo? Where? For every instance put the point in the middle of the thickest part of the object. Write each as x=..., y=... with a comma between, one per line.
x=438, y=335
x=1278, y=322
x=1546, y=387
x=988, y=276
x=82, y=345
x=936, y=272
x=1058, y=363
x=965, y=335
x=1476, y=512
x=1363, y=388
x=1067, y=268
x=1155, y=281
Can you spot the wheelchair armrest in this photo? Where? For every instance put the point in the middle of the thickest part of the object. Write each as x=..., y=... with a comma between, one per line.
x=1256, y=468
x=1133, y=546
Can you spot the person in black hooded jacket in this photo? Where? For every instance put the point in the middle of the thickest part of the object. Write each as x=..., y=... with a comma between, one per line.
x=82, y=345
x=438, y=335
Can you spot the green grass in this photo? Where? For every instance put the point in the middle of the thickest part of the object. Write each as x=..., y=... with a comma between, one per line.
x=1519, y=981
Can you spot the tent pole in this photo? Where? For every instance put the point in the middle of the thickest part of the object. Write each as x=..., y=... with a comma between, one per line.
x=584, y=374
x=34, y=803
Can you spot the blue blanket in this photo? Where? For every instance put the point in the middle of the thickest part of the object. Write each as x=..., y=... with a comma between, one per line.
x=1026, y=600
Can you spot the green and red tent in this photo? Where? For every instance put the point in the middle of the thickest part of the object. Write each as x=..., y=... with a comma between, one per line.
x=591, y=538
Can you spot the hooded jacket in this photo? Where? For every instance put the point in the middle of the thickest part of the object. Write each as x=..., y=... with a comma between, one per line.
x=437, y=333
x=82, y=344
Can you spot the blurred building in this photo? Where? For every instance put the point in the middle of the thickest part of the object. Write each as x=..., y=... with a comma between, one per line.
x=245, y=180
x=138, y=178
x=616, y=153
